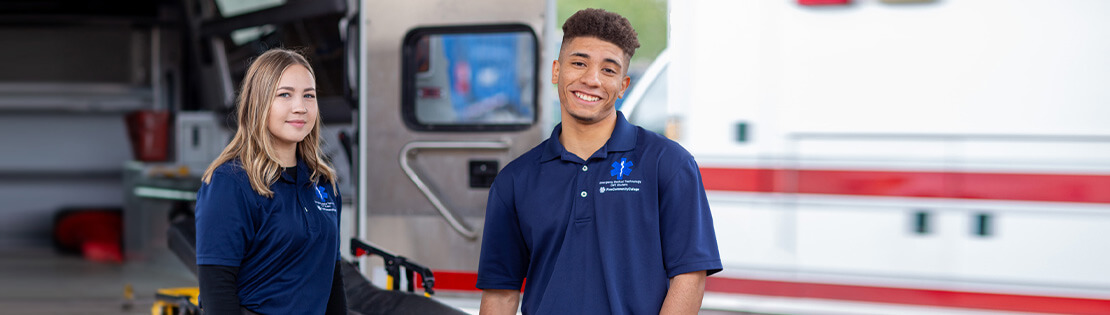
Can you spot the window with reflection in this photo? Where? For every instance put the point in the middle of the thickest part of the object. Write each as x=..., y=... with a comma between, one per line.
x=470, y=78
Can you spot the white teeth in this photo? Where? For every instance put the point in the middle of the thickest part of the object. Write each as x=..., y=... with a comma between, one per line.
x=586, y=97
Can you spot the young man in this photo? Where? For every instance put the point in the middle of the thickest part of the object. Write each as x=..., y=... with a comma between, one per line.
x=604, y=217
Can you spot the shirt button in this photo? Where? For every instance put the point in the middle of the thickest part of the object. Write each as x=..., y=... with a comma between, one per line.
x=583, y=194
x=584, y=168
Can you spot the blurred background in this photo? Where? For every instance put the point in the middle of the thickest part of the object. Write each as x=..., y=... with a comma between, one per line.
x=860, y=156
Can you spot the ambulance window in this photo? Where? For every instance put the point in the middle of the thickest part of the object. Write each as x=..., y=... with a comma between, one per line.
x=470, y=78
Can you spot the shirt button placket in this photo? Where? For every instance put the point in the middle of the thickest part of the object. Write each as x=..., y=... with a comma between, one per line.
x=581, y=181
x=582, y=208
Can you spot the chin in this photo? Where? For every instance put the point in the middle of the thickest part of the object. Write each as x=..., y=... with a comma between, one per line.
x=586, y=119
x=589, y=116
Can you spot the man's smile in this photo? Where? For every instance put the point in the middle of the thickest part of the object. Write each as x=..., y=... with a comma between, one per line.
x=586, y=97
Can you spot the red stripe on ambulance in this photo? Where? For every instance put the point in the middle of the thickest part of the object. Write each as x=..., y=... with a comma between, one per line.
x=963, y=185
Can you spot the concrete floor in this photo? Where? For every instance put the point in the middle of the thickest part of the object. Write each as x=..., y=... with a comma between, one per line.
x=41, y=281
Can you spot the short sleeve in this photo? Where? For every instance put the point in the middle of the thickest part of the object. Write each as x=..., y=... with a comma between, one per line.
x=686, y=223
x=504, y=260
x=224, y=225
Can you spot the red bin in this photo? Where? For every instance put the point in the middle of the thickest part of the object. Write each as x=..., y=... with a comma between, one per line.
x=148, y=131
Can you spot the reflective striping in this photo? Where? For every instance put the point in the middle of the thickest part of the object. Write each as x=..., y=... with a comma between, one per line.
x=988, y=186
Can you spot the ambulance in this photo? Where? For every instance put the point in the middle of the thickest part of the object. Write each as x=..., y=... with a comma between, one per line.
x=895, y=157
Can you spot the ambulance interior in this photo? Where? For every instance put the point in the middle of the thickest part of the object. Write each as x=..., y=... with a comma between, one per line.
x=112, y=109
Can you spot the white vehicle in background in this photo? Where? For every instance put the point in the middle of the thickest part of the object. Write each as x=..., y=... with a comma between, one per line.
x=887, y=157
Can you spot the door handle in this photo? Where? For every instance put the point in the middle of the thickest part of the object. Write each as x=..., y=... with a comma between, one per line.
x=410, y=150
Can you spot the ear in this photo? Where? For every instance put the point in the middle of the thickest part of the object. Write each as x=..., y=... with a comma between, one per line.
x=624, y=85
x=555, y=72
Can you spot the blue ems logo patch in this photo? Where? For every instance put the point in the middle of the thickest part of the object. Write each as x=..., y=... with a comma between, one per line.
x=322, y=201
x=620, y=169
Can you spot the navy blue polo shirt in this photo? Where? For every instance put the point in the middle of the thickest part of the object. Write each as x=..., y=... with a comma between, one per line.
x=285, y=246
x=600, y=236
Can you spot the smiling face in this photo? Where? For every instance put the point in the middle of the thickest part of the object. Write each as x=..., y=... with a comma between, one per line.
x=293, y=112
x=590, y=77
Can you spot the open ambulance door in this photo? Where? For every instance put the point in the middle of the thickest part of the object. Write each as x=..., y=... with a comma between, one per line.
x=450, y=94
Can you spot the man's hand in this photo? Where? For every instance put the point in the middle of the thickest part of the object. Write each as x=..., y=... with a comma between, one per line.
x=684, y=296
x=498, y=302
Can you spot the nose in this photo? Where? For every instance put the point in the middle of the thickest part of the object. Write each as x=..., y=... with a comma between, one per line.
x=299, y=106
x=592, y=77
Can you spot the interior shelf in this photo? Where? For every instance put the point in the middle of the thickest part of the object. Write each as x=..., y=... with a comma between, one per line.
x=74, y=97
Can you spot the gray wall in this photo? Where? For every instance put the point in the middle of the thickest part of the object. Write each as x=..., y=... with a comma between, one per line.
x=64, y=92
x=56, y=161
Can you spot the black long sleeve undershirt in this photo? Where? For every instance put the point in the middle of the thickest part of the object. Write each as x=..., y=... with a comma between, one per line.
x=218, y=289
x=337, y=302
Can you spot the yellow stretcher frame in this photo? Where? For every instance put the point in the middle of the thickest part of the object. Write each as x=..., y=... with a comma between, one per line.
x=176, y=301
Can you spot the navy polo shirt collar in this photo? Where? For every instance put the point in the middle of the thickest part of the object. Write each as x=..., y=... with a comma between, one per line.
x=302, y=174
x=622, y=139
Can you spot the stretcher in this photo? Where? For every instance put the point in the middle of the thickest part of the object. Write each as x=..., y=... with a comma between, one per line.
x=363, y=297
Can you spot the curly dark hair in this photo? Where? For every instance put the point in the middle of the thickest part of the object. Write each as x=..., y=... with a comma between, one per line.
x=604, y=25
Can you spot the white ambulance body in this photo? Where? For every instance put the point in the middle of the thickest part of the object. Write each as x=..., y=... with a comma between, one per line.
x=890, y=157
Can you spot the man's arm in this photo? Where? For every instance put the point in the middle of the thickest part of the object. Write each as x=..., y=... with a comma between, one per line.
x=684, y=295
x=496, y=302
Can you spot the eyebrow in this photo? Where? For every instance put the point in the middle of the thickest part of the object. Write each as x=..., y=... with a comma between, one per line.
x=587, y=56
x=292, y=89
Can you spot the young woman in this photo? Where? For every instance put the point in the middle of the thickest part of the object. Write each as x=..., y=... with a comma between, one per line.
x=268, y=211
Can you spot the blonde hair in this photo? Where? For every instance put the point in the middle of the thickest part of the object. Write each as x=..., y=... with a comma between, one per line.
x=253, y=143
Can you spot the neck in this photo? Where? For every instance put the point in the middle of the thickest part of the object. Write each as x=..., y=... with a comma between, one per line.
x=286, y=155
x=583, y=139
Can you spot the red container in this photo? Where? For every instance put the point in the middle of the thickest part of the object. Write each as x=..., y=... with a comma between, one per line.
x=148, y=131
x=96, y=234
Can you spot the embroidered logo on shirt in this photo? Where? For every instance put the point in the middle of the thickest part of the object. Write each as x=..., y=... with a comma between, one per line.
x=621, y=168
x=322, y=201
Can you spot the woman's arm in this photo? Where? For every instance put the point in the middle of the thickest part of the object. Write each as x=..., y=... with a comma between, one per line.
x=218, y=289
x=337, y=303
